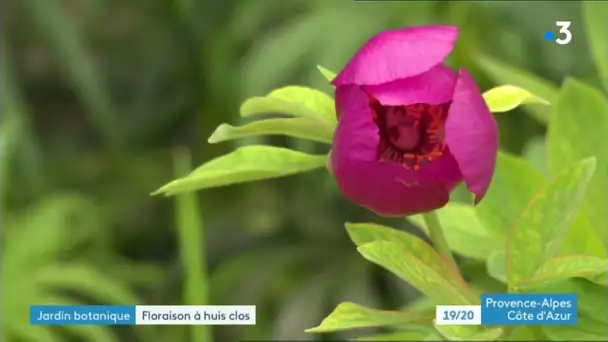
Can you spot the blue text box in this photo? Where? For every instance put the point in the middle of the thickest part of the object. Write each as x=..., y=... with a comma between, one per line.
x=82, y=315
x=529, y=309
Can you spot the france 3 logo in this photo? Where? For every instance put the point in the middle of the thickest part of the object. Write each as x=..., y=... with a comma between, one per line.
x=563, y=37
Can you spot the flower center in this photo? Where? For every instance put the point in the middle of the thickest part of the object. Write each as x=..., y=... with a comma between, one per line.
x=411, y=135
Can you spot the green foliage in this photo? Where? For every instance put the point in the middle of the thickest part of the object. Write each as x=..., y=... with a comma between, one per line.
x=313, y=118
x=304, y=128
x=551, y=213
x=580, y=239
x=68, y=43
x=398, y=336
x=42, y=264
x=18, y=146
x=424, y=261
x=468, y=333
x=577, y=333
x=249, y=163
x=298, y=39
x=596, y=21
x=535, y=152
x=434, y=336
x=312, y=36
x=294, y=101
x=329, y=75
x=593, y=312
x=578, y=130
x=506, y=74
x=569, y=266
x=521, y=333
x=350, y=316
x=556, y=204
x=514, y=183
x=9, y=131
x=507, y=97
x=435, y=279
x=497, y=265
x=463, y=231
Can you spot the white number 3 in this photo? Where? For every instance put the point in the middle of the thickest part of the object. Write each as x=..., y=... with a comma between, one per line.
x=563, y=29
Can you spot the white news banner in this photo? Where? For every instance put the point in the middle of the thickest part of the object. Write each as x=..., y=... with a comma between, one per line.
x=195, y=315
x=458, y=315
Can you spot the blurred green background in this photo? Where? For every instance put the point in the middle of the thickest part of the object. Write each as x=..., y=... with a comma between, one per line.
x=99, y=97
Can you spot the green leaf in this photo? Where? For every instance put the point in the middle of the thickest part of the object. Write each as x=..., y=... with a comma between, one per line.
x=434, y=336
x=497, y=266
x=570, y=266
x=586, y=330
x=364, y=233
x=505, y=74
x=578, y=130
x=303, y=127
x=294, y=101
x=596, y=21
x=592, y=298
x=507, y=97
x=522, y=333
x=535, y=152
x=514, y=183
x=468, y=333
x=84, y=280
x=49, y=230
x=423, y=268
x=24, y=331
x=398, y=336
x=350, y=316
x=581, y=239
x=245, y=164
x=96, y=333
x=422, y=305
x=463, y=231
x=329, y=75
x=541, y=226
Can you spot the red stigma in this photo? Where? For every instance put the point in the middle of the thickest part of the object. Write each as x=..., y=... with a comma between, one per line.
x=411, y=135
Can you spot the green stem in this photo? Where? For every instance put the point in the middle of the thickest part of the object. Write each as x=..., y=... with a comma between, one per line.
x=437, y=237
x=189, y=222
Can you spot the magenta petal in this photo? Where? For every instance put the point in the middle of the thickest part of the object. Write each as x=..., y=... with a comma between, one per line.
x=396, y=54
x=383, y=187
x=445, y=169
x=387, y=188
x=472, y=135
x=433, y=87
x=356, y=135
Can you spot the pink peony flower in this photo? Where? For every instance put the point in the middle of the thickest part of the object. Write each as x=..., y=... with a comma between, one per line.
x=409, y=128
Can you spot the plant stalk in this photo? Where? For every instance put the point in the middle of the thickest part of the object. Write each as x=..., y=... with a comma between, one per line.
x=437, y=237
x=189, y=222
